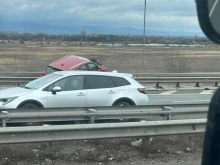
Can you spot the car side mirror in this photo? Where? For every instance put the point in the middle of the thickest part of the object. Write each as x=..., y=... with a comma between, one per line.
x=208, y=14
x=55, y=90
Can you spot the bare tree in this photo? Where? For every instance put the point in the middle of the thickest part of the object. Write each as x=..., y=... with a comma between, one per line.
x=21, y=42
x=83, y=34
x=177, y=64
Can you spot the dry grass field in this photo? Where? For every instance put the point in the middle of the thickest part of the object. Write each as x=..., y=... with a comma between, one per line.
x=20, y=57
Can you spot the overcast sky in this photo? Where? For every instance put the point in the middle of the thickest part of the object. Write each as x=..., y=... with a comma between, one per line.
x=161, y=14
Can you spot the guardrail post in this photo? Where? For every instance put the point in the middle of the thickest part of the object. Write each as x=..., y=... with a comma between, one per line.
x=4, y=117
x=146, y=141
x=177, y=84
x=50, y=144
x=91, y=118
x=216, y=84
x=157, y=85
x=169, y=115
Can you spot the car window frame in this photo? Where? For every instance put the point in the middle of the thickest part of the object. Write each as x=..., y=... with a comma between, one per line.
x=85, y=83
x=83, y=66
x=129, y=83
x=52, y=68
x=46, y=89
x=204, y=21
x=93, y=64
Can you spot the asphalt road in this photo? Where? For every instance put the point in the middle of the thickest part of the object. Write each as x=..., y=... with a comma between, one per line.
x=155, y=99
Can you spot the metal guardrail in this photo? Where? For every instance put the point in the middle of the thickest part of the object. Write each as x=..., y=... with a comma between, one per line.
x=15, y=80
x=9, y=135
x=144, y=78
x=179, y=80
x=196, y=74
x=149, y=113
x=20, y=74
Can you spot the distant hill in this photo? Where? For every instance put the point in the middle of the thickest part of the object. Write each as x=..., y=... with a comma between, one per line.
x=64, y=28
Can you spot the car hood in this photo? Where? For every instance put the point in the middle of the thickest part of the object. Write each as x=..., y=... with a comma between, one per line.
x=13, y=92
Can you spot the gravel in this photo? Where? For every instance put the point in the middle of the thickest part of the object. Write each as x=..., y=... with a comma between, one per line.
x=172, y=150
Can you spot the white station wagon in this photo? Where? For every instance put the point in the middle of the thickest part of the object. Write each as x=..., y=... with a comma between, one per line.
x=76, y=89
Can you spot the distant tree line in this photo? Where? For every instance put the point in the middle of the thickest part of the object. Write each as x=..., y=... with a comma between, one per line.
x=83, y=36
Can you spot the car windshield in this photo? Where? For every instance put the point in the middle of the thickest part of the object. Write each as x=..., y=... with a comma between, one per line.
x=42, y=81
x=50, y=69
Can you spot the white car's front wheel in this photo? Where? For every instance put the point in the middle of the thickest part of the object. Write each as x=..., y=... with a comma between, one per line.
x=29, y=105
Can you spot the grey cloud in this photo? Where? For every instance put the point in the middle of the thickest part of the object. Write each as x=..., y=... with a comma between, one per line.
x=161, y=14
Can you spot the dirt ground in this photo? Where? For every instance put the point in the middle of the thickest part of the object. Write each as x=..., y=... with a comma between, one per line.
x=165, y=150
x=124, y=59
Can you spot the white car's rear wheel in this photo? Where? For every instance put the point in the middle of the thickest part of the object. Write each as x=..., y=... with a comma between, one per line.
x=123, y=103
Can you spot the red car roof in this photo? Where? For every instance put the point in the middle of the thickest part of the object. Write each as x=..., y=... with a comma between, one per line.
x=68, y=62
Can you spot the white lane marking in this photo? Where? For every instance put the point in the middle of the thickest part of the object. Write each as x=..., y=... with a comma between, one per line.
x=191, y=101
x=207, y=92
x=167, y=92
x=181, y=94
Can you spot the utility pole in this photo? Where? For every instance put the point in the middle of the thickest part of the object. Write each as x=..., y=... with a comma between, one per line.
x=144, y=25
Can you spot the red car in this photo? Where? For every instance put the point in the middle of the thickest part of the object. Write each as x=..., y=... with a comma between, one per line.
x=71, y=62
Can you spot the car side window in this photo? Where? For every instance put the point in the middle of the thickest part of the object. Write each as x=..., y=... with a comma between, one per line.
x=92, y=67
x=119, y=81
x=84, y=67
x=97, y=82
x=68, y=83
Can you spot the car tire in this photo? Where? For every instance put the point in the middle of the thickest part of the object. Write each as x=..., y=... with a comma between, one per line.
x=122, y=103
x=30, y=105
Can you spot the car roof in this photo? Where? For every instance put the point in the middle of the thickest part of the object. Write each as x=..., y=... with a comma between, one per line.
x=70, y=73
x=68, y=62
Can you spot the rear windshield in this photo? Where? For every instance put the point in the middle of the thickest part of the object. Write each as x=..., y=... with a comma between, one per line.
x=50, y=69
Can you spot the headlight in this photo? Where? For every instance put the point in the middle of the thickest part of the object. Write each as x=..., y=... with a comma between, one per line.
x=7, y=100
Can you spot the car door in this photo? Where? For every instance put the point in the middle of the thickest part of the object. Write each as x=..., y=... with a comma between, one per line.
x=70, y=95
x=101, y=90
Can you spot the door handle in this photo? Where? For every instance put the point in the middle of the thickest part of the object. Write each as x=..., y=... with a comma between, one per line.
x=111, y=92
x=81, y=94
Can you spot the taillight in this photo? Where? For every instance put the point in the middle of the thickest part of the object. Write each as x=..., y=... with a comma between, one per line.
x=142, y=90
